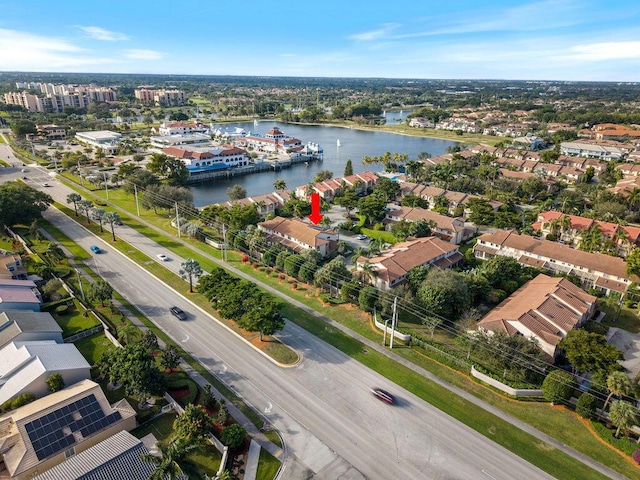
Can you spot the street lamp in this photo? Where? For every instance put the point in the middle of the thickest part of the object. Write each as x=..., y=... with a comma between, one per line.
x=106, y=188
x=80, y=283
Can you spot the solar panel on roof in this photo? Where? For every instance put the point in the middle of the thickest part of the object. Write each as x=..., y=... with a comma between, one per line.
x=46, y=435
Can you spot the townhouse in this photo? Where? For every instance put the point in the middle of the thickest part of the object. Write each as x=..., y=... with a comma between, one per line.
x=449, y=229
x=595, y=270
x=544, y=309
x=391, y=267
x=298, y=235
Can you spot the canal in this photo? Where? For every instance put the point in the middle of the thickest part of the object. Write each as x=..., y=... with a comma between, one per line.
x=353, y=144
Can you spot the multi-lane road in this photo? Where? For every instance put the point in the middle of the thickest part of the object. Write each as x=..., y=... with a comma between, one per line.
x=332, y=426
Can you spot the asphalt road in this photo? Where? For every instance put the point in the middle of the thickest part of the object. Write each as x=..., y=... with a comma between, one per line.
x=332, y=426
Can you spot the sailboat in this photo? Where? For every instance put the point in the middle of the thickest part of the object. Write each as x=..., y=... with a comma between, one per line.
x=255, y=123
x=338, y=143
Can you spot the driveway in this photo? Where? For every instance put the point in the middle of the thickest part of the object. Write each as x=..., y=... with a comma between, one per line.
x=629, y=343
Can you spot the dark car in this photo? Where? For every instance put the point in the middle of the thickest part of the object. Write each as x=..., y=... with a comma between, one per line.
x=95, y=249
x=178, y=313
x=383, y=395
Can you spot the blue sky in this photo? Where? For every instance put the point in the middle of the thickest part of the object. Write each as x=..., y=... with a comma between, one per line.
x=536, y=40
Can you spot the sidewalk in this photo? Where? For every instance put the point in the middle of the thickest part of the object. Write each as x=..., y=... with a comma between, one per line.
x=390, y=354
x=260, y=440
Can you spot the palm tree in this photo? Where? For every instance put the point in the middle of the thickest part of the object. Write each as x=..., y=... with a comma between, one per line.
x=74, y=198
x=86, y=206
x=190, y=269
x=618, y=384
x=112, y=218
x=622, y=415
x=366, y=270
x=173, y=464
x=98, y=214
x=280, y=185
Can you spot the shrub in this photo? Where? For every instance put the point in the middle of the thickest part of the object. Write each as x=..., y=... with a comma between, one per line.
x=55, y=382
x=636, y=455
x=557, y=386
x=23, y=399
x=586, y=405
x=624, y=444
x=62, y=309
x=233, y=435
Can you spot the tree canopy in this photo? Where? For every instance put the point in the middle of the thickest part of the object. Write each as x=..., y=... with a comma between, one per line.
x=22, y=204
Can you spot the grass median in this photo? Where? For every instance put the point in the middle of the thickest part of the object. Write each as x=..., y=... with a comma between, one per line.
x=562, y=425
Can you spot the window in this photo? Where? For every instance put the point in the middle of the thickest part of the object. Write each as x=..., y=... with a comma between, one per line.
x=70, y=452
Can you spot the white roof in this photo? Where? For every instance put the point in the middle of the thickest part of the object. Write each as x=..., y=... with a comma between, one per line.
x=21, y=363
x=100, y=135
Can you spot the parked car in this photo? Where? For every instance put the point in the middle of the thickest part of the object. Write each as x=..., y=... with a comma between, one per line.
x=383, y=395
x=162, y=257
x=45, y=184
x=362, y=237
x=95, y=249
x=178, y=313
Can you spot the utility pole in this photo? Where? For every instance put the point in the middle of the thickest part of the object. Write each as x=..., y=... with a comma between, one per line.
x=135, y=193
x=224, y=242
x=393, y=321
x=178, y=219
x=106, y=187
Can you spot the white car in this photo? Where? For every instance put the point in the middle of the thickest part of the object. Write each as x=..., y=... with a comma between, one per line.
x=45, y=184
x=162, y=257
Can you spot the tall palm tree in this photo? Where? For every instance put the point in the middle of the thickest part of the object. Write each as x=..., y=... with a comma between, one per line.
x=74, y=198
x=622, y=415
x=86, y=206
x=618, y=384
x=98, y=214
x=112, y=218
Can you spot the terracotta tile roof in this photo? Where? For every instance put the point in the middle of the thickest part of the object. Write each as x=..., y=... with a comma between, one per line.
x=296, y=229
x=402, y=257
x=597, y=262
x=547, y=307
x=414, y=214
x=515, y=174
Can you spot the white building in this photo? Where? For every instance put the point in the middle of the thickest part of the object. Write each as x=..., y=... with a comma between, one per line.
x=590, y=150
x=104, y=139
x=177, y=140
x=25, y=367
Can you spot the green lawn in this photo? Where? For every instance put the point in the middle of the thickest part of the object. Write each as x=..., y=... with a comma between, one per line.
x=268, y=466
x=93, y=346
x=161, y=427
x=560, y=424
x=73, y=320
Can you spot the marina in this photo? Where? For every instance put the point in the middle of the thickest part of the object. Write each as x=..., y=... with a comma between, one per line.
x=354, y=144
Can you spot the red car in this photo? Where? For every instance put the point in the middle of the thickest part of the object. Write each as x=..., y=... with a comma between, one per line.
x=383, y=395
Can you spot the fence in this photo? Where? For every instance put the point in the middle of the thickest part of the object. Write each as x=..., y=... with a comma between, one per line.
x=84, y=333
x=223, y=449
x=516, y=392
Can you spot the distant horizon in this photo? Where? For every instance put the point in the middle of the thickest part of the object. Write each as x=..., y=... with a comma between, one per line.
x=230, y=75
x=534, y=40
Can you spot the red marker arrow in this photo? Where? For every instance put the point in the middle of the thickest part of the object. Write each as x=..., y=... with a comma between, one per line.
x=315, y=216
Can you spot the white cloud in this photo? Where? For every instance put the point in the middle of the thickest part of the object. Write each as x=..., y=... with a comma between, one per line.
x=605, y=51
x=28, y=52
x=140, y=54
x=98, y=33
x=382, y=32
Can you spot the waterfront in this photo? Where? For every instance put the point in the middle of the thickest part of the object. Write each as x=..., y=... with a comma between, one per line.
x=354, y=144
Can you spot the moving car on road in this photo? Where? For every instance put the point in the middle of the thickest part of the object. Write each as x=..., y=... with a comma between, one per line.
x=383, y=395
x=162, y=257
x=95, y=249
x=178, y=313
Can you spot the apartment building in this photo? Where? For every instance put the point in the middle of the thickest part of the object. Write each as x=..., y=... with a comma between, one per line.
x=595, y=270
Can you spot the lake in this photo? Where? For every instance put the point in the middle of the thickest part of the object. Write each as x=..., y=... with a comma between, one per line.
x=354, y=144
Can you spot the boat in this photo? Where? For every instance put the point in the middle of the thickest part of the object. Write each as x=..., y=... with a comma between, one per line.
x=384, y=113
x=338, y=143
x=255, y=123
